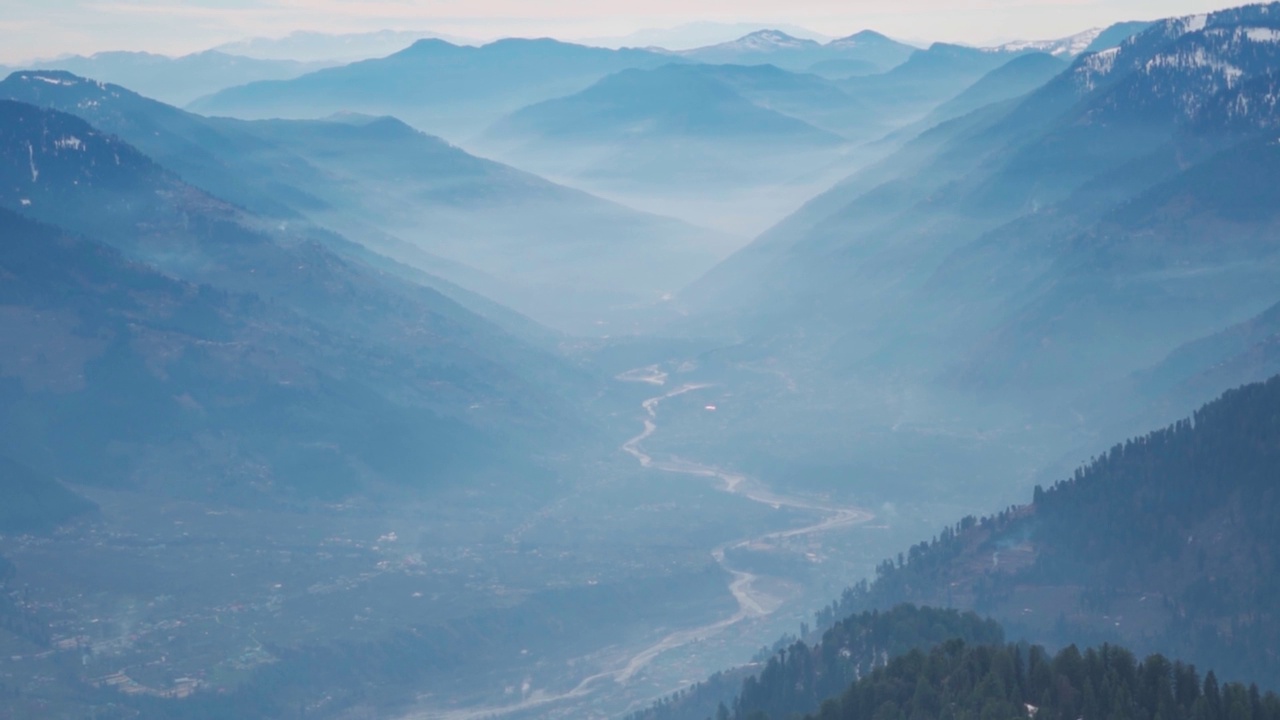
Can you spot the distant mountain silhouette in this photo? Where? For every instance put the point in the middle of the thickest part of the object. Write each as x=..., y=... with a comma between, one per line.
x=539, y=247
x=446, y=89
x=869, y=49
x=178, y=80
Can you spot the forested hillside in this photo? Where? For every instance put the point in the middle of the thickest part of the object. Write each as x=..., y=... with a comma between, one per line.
x=1168, y=542
x=798, y=678
x=956, y=681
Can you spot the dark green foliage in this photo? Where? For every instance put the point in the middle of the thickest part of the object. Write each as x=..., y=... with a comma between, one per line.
x=1176, y=529
x=31, y=502
x=961, y=682
x=798, y=678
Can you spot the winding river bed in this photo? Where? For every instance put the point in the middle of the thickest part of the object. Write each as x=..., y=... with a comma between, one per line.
x=751, y=602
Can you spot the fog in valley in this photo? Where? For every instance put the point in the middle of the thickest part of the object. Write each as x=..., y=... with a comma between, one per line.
x=763, y=374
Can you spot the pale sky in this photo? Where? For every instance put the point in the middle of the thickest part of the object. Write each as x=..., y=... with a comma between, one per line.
x=47, y=28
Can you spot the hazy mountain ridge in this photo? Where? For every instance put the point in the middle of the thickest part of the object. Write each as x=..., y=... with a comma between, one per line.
x=419, y=348
x=434, y=85
x=177, y=80
x=331, y=47
x=515, y=237
x=1052, y=166
x=1243, y=353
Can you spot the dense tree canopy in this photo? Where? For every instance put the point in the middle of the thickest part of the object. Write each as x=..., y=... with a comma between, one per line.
x=1167, y=542
x=991, y=682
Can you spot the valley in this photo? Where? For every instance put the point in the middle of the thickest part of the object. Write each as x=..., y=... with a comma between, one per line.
x=755, y=604
x=417, y=375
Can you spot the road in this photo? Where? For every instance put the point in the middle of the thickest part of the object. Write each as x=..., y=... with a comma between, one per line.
x=751, y=602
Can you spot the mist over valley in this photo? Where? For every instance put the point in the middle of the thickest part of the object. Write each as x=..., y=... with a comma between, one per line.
x=405, y=375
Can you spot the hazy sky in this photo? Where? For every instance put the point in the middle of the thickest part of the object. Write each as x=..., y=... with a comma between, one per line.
x=46, y=28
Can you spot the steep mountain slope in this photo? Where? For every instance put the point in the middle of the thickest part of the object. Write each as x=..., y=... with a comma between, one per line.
x=1115, y=35
x=557, y=254
x=178, y=80
x=1243, y=353
x=303, y=362
x=1166, y=542
x=981, y=233
x=443, y=88
x=1015, y=78
x=927, y=78
x=1180, y=260
x=799, y=677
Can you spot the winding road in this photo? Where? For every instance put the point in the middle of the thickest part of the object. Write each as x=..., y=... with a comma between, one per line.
x=751, y=603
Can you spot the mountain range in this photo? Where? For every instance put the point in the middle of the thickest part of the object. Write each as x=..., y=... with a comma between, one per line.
x=546, y=250
x=333, y=48
x=434, y=85
x=179, y=80
x=312, y=412
x=864, y=53
x=1014, y=236
x=266, y=340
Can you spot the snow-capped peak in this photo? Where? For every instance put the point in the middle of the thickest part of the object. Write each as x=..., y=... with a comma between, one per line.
x=768, y=40
x=1062, y=47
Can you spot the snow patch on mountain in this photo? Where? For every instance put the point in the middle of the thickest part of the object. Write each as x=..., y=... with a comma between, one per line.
x=1199, y=58
x=1262, y=35
x=1062, y=47
x=68, y=82
x=767, y=41
x=71, y=141
x=1093, y=67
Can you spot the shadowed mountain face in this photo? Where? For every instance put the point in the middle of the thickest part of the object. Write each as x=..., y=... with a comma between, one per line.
x=1036, y=247
x=327, y=373
x=559, y=255
x=446, y=89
